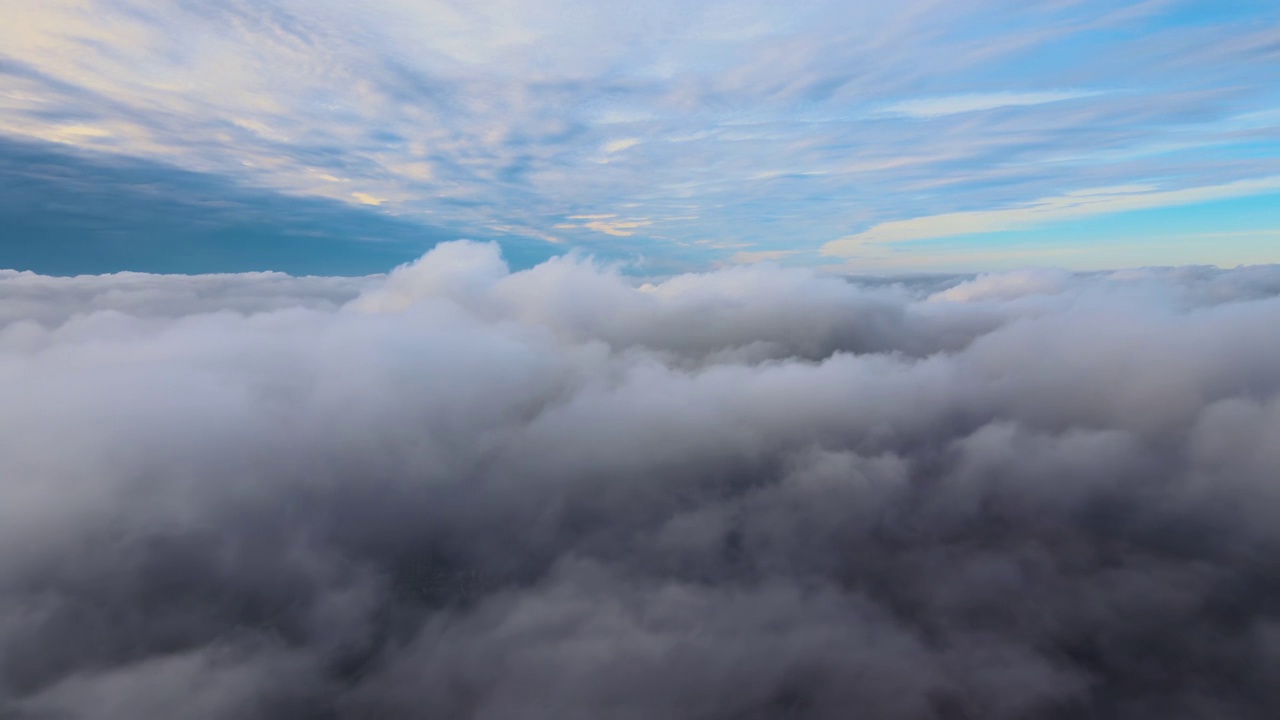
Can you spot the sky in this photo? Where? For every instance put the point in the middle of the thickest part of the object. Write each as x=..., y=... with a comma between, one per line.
x=329, y=137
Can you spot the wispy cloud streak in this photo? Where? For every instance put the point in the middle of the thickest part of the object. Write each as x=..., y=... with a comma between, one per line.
x=508, y=116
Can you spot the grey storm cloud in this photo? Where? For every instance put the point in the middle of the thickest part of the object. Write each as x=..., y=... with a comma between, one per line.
x=457, y=491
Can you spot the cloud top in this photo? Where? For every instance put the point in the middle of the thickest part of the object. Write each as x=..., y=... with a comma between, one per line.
x=462, y=491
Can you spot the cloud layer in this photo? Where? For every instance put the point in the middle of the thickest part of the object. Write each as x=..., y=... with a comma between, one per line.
x=459, y=491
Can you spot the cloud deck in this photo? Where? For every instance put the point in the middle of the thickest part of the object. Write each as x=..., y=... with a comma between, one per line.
x=460, y=491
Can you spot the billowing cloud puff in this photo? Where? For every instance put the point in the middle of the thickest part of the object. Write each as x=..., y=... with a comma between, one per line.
x=459, y=491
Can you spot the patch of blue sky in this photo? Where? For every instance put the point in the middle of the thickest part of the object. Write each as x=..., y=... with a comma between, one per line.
x=1198, y=14
x=70, y=213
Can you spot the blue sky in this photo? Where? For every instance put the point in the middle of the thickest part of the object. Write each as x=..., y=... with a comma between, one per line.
x=915, y=136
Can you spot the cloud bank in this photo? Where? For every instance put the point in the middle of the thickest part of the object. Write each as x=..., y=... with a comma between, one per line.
x=458, y=491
